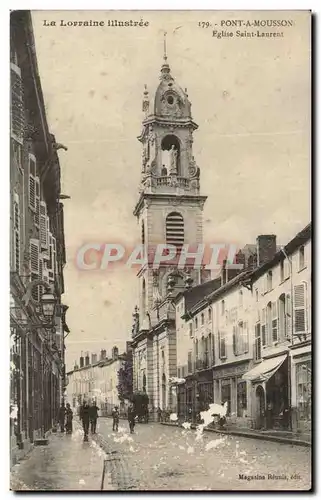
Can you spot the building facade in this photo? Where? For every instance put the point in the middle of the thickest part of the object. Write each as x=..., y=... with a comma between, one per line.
x=169, y=211
x=248, y=342
x=37, y=249
x=96, y=380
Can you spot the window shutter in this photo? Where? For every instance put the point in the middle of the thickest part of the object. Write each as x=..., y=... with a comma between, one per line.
x=257, y=341
x=43, y=225
x=286, y=269
x=246, y=337
x=17, y=108
x=32, y=183
x=263, y=327
x=288, y=317
x=34, y=266
x=16, y=233
x=274, y=322
x=234, y=341
x=54, y=255
x=37, y=214
x=34, y=256
x=299, y=309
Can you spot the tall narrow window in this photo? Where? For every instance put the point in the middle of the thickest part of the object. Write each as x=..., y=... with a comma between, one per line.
x=144, y=297
x=17, y=105
x=16, y=233
x=301, y=258
x=191, y=330
x=274, y=322
x=263, y=327
x=210, y=314
x=34, y=266
x=269, y=323
x=282, y=270
x=202, y=318
x=175, y=230
x=196, y=323
x=43, y=225
x=282, y=317
x=300, y=316
x=32, y=183
x=269, y=281
x=257, y=352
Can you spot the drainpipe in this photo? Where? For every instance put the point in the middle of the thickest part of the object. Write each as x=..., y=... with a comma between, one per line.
x=292, y=330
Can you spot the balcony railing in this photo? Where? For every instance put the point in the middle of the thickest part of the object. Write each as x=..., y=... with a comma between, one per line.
x=169, y=181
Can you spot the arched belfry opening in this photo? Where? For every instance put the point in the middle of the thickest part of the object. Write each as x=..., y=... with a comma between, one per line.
x=171, y=155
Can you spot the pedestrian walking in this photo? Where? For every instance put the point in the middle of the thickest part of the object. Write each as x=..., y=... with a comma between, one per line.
x=115, y=415
x=131, y=418
x=93, y=415
x=84, y=417
x=62, y=416
x=69, y=417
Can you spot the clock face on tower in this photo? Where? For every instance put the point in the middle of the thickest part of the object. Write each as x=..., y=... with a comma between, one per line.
x=171, y=104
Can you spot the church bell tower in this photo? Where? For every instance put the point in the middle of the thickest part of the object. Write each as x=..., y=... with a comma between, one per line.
x=170, y=207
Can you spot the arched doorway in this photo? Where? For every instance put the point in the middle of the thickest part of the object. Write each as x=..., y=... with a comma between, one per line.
x=260, y=407
x=163, y=391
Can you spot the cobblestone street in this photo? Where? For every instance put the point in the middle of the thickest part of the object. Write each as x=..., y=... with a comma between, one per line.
x=158, y=457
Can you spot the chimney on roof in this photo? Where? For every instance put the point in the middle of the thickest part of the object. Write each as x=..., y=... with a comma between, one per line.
x=205, y=275
x=266, y=248
x=87, y=359
x=232, y=272
x=102, y=354
x=81, y=361
x=224, y=273
x=93, y=358
x=114, y=352
x=75, y=365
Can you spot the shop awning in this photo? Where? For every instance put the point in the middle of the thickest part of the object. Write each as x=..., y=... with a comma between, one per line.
x=265, y=370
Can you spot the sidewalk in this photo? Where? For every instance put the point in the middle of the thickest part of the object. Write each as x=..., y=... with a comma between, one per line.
x=285, y=437
x=66, y=463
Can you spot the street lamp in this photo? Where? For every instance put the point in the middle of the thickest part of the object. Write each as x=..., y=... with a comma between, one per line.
x=48, y=305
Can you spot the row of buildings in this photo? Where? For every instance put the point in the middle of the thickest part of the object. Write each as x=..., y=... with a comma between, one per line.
x=37, y=251
x=99, y=379
x=243, y=337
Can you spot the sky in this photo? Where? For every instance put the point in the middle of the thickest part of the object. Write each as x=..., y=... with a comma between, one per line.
x=251, y=100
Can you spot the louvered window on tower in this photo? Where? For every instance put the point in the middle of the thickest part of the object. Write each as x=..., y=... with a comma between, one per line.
x=32, y=183
x=175, y=230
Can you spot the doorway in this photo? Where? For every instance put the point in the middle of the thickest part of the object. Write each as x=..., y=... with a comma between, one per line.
x=260, y=407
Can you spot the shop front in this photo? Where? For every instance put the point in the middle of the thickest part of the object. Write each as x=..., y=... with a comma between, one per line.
x=301, y=389
x=269, y=390
x=230, y=388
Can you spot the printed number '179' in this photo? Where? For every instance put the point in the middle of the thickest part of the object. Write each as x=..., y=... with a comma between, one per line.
x=204, y=24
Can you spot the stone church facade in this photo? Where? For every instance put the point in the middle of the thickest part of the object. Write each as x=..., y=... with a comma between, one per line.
x=169, y=211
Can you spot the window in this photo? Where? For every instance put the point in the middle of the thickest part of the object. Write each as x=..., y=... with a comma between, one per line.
x=240, y=338
x=226, y=395
x=274, y=322
x=210, y=315
x=189, y=362
x=269, y=278
x=301, y=258
x=43, y=225
x=32, y=183
x=258, y=353
x=282, y=270
x=222, y=345
x=300, y=313
x=282, y=317
x=196, y=323
x=191, y=330
x=210, y=349
x=269, y=323
x=196, y=349
x=16, y=233
x=241, y=398
x=175, y=230
x=34, y=266
x=263, y=327
x=202, y=318
x=222, y=307
x=288, y=317
x=37, y=214
x=17, y=106
x=303, y=382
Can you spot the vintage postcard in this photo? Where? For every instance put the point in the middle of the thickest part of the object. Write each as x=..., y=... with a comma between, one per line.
x=160, y=251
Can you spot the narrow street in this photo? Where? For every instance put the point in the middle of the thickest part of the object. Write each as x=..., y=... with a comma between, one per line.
x=158, y=457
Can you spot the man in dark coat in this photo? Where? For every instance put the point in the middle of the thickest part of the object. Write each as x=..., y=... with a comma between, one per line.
x=115, y=415
x=69, y=417
x=84, y=417
x=131, y=418
x=61, y=417
x=93, y=415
